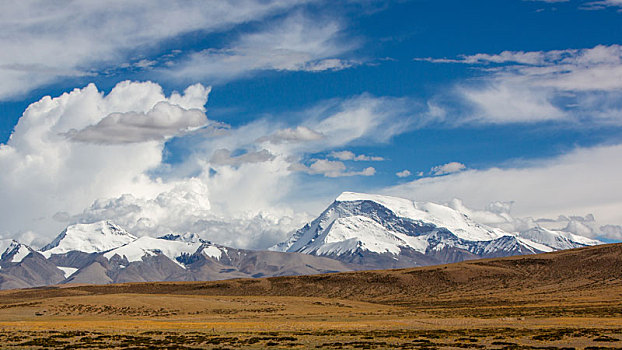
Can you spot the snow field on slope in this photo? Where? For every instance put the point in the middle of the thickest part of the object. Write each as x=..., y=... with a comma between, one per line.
x=213, y=252
x=67, y=271
x=349, y=233
x=439, y=215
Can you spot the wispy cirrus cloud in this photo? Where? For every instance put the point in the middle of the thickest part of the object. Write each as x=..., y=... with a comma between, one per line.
x=574, y=85
x=587, y=4
x=226, y=157
x=296, y=43
x=549, y=1
x=43, y=42
x=601, y=4
x=292, y=135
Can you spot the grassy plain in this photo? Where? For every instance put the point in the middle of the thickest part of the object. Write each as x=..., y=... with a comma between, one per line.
x=569, y=299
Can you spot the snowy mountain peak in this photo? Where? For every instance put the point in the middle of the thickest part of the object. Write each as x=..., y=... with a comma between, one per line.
x=386, y=200
x=89, y=238
x=435, y=214
x=360, y=227
x=556, y=239
x=13, y=251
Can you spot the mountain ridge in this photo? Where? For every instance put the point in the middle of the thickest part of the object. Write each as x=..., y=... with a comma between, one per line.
x=518, y=279
x=356, y=232
x=102, y=253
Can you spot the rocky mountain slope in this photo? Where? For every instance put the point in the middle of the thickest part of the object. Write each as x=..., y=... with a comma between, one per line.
x=22, y=267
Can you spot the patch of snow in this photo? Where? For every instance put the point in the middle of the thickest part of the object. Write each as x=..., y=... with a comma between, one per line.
x=68, y=271
x=400, y=206
x=213, y=252
x=21, y=253
x=458, y=223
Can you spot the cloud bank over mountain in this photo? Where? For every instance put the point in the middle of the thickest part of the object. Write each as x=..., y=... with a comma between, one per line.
x=86, y=156
x=575, y=184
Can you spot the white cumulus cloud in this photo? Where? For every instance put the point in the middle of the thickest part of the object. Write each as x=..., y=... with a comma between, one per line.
x=403, y=173
x=162, y=121
x=449, y=168
x=498, y=214
x=45, y=172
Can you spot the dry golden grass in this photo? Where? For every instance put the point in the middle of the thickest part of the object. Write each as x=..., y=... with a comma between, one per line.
x=570, y=299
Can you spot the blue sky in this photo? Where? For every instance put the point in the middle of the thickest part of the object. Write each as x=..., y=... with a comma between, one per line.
x=485, y=101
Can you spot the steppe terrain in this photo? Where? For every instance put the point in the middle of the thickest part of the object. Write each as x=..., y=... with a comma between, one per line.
x=566, y=299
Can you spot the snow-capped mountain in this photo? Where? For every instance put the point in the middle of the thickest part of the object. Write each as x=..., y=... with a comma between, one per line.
x=88, y=238
x=385, y=232
x=556, y=240
x=21, y=267
x=103, y=252
x=13, y=251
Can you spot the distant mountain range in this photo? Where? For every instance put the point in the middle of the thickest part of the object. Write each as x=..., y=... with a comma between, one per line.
x=357, y=231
